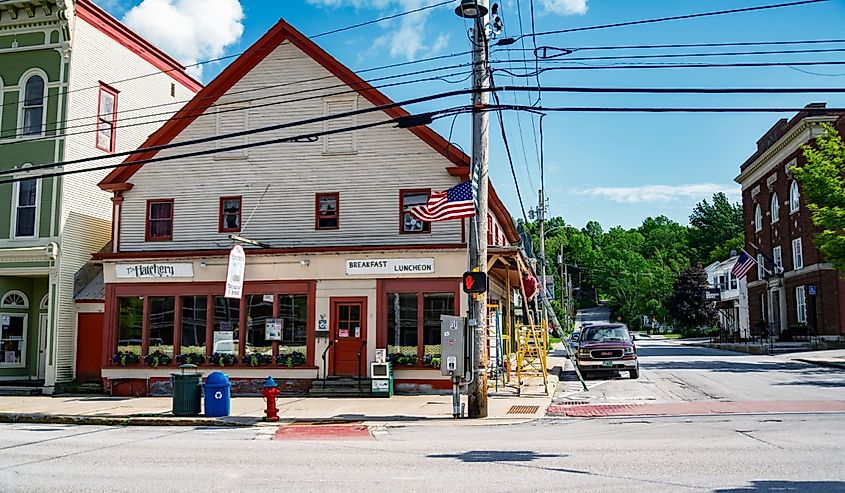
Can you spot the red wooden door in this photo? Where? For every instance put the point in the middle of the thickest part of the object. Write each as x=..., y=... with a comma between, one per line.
x=89, y=347
x=349, y=333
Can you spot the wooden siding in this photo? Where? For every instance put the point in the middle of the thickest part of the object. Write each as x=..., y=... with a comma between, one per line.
x=85, y=210
x=385, y=160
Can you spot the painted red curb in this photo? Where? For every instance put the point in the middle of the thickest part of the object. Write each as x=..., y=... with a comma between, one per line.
x=323, y=432
x=696, y=408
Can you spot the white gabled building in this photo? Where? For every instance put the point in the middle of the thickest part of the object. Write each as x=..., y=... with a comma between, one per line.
x=733, y=304
x=346, y=261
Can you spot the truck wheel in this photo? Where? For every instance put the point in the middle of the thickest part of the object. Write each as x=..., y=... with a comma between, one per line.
x=635, y=374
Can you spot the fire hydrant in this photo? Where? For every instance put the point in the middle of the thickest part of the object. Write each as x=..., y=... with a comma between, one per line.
x=271, y=390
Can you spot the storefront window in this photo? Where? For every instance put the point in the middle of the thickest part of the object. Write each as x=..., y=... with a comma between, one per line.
x=259, y=311
x=162, y=318
x=227, y=315
x=194, y=310
x=402, y=328
x=12, y=340
x=130, y=324
x=434, y=305
x=293, y=310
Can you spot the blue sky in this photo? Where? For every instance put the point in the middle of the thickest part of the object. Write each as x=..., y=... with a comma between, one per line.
x=614, y=168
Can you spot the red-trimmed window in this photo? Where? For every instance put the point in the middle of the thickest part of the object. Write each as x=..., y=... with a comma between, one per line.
x=159, y=220
x=230, y=214
x=327, y=211
x=106, y=118
x=409, y=224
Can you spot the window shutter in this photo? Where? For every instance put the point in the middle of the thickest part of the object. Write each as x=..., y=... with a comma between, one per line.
x=344, y=142
x=232, y=118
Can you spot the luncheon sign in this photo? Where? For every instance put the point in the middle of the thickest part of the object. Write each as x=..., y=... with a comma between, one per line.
x=390, y=266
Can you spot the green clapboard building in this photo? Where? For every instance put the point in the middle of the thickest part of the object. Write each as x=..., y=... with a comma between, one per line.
x=74, y=83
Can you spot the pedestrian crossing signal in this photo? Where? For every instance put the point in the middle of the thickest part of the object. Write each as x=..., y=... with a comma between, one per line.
x=474, y=282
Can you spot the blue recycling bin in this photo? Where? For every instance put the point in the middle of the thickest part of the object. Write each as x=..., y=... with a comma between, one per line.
x=218, y=395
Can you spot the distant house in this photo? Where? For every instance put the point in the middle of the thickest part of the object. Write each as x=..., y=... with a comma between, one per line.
x=74, y=83
x=792, y=286
x=733, y=301
x=348, y=270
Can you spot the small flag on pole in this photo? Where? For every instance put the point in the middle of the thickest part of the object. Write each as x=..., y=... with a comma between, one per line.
x=455, y=203
x=743, y=264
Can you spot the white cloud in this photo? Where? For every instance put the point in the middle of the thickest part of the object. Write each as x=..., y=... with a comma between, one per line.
x=405, y=37
x=187, y=31
x=659, y=193
x=565, y=7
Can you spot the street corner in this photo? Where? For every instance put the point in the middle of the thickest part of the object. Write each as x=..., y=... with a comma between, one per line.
x=327, y=430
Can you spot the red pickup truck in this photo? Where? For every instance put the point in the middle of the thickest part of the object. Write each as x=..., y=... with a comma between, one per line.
x=607, y=347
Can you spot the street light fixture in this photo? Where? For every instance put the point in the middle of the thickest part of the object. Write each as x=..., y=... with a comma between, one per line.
x=471, y=9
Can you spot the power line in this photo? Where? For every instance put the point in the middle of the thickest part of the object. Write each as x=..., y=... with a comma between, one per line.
x=665, y=19
x=508, y=150
x=690, y=55
x=376, y=21
x=199, y=111
x=445, y=95
x=674, y=65
x=686, y=45
x=654, y=109
x=234, y=55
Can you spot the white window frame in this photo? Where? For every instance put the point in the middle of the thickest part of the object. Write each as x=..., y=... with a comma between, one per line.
x=777, y=256
x=22, y=99
x=794, y=197
x=106, y=121
x=4, y=304
x=758, y=218
x=801, y=304
x=797, y=254
x=22, y=342
x=761, y=271
x=45, y=302
x=775, y=208
x=15, y=197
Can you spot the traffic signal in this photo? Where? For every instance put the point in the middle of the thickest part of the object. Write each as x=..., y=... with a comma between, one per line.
x=474, y=282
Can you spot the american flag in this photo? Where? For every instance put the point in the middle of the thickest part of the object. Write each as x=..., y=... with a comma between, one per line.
x=743, y=264
x=455, y=203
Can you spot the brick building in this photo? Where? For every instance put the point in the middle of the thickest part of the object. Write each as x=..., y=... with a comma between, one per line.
x=792, y=285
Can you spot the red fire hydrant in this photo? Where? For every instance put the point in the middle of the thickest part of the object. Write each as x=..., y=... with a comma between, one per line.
x=271, y=390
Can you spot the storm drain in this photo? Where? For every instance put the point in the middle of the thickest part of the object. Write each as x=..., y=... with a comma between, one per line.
x=523, y=409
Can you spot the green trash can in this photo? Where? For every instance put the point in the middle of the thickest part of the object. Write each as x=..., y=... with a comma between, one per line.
x=187, y=391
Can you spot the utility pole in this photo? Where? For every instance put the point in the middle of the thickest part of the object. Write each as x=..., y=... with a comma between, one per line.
x=541, y=216
x=477, y=389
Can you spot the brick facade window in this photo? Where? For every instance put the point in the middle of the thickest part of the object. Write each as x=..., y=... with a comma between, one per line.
x=801, y=304
x=797, y=254
x=758, y=218
x=794, y=197
x=775, y=208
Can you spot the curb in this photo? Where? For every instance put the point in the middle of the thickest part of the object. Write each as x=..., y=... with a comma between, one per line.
x=118, y=420
x=825, y=363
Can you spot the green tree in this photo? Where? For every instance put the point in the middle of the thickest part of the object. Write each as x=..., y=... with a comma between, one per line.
x=823, y=189
x=714, y=225
x=686, y=305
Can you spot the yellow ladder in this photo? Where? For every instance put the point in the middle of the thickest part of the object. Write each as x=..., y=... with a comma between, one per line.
x=532, y=347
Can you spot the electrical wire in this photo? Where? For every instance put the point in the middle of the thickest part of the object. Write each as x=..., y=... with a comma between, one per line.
x=672, y=18
x=199, y=111
x=674, y=65
x=433, y=97
x=690, y=55
x=686, y=45
x=508, y=151
x=234, y=55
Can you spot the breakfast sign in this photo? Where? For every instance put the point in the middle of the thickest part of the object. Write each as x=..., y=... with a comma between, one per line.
x=390, y=266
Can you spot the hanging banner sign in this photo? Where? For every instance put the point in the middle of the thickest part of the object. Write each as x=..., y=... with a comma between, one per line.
x=235, y=273
x=132, y=271
x=390, y=266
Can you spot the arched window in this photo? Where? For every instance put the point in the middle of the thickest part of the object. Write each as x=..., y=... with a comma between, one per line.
x=775, y=208
x=14, y=299
x=45, y=302
x=758, y=218
x=794, y=197
x=33, y=105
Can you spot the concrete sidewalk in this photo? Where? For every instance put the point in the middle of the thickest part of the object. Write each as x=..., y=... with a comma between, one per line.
x=834, y=358
x=248, y=411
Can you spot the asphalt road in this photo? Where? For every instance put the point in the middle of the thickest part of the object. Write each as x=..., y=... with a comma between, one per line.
x=728, y=453
x=671, y=371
